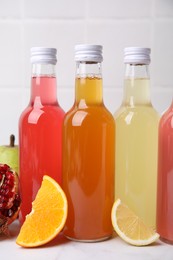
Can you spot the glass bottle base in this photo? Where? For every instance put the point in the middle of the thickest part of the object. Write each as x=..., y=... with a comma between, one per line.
x=166, y=240
x=89, y=240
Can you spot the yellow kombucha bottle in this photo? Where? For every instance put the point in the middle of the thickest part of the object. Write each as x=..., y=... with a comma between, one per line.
x=137, y=138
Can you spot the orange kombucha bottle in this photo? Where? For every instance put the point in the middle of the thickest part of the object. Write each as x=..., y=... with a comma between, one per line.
x=88, y=153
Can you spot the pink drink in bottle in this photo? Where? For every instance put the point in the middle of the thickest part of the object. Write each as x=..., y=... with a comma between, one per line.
x=165, y=177
x=40, y=129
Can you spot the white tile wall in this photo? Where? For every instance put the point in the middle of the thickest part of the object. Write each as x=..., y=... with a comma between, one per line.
x=53, y=9
x=163, y=53
x=164, y=8
x=62, y=24
x=114, y=36
x=123, y=9
x=10, y=54
x=10, y=9
x=60, y=34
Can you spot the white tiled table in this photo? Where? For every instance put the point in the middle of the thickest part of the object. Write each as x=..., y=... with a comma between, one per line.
x=62, y=249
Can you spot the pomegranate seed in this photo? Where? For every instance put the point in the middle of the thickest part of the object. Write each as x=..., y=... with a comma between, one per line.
x=17, y=197
x=4, y=167
x=9, y=194
x=6, y=186
x=3, y=204
x=9, y=175
x=10, y=182
x=2, y=192
x=4, y=199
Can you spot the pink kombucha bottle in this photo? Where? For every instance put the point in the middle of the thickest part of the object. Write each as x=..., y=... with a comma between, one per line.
x=165, y=177
x=40, y=129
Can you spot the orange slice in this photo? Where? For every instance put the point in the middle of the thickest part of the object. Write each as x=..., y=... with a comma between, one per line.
x=130, y=227
x=48, y=215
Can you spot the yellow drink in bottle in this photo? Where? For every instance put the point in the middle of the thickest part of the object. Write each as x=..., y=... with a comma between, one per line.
x=136, y=141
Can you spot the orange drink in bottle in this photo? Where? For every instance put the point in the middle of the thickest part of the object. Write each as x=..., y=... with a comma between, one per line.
x=88, y=153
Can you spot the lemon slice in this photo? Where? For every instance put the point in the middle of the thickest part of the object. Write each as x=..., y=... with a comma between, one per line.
x=130, y=227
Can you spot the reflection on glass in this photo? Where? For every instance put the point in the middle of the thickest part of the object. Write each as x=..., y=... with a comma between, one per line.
x=36, y=112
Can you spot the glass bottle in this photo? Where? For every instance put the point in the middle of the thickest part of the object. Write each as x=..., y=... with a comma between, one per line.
x=165, y=177
x=137, y=138
x=88, y=153
x=40, y=129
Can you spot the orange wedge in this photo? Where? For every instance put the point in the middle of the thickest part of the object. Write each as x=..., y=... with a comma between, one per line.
x=48, y=215
x=130, y=227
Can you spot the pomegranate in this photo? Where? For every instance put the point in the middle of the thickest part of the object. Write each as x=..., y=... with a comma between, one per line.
x=9, y=197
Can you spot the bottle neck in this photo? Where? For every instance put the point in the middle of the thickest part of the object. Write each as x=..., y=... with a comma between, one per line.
x=88, y=83
x=43, y=85
x=136, y=85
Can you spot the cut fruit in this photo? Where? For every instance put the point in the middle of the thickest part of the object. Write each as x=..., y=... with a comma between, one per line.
x=130, y=227
x=9, y=197
x=48, y=215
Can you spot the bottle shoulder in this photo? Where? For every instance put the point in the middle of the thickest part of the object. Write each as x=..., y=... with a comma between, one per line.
x=94, y=113
x=32, y=114
x=167, y=118
x=137, y=113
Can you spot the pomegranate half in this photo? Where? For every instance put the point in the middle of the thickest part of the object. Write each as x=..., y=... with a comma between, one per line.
x=9, y=197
